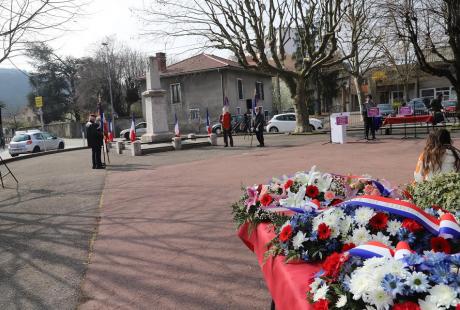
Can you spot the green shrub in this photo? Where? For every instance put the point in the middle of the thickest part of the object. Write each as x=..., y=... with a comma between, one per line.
x=443, y=190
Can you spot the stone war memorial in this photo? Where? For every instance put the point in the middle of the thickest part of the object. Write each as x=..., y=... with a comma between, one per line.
x=156, y=114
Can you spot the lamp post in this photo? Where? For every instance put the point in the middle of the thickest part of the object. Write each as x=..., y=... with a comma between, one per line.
x=110, y=84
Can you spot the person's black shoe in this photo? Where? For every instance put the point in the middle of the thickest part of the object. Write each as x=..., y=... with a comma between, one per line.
x=373, y=138
x=225, y=145
x=100, y=167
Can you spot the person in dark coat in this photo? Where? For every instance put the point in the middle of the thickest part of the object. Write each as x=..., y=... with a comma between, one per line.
x=259, y=125
x=95, y=137
x=436, y=107
x=368, y=121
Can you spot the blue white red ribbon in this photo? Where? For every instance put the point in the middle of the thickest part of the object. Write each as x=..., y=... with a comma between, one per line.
x=378, y=249
x=446, y=227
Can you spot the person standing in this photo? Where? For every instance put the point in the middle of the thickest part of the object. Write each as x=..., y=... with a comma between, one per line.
x=259, y=125
x=368, y=121
x=226, y=121
x=436, y=107
x=94, y=137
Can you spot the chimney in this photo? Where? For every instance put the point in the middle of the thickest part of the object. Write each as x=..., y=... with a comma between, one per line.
x=161, y=58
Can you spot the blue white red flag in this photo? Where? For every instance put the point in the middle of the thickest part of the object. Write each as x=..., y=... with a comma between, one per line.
x=110, y=130
x=208, y=123
x=132, y=131
x=176, y=126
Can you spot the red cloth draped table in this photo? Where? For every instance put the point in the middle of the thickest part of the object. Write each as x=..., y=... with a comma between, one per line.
x=408, y=119
x=287, y=283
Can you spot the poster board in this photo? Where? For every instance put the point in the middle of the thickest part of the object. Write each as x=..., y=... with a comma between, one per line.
x=339, y=122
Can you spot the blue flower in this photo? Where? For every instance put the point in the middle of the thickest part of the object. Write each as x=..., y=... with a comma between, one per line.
x=392, y=284
x=455, y=259
x=440, y=273
x=413, y=259
x=304, y=255
x=405, y=235
x=433, y=258
x=332, y=245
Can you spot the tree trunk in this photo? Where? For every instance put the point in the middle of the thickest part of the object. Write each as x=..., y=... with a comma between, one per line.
x=301, y=109
x=358, y=82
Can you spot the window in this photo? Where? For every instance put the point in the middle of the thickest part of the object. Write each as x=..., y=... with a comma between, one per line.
x=445, y=91
x=37, y=136
x=260, y=90
x=194, y=114
x=282, y=118
x=427, y=93
x=21, y=138
x=46, y=136
x=291, y=117
x=266, y=114
x=239, y=83
x=175, y=93
x=141, y=125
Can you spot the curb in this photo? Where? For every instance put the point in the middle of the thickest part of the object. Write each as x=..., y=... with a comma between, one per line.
x=171, y=148
x=10, y=160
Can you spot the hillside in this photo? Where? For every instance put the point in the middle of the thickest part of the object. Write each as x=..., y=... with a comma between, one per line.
x=14, y=87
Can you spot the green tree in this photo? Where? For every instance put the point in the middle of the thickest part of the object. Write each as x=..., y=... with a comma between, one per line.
x=55, y=80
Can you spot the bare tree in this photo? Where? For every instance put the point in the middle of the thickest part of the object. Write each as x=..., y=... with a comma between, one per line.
x=25, y=21
x=433, y=29
x=363, y=33
x=257, y=32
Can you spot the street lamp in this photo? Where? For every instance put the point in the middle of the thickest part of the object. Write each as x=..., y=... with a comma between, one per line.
x=110, y=84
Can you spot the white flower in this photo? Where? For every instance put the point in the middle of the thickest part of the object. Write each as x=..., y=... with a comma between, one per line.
x=315, y=284
x=297, y=200
x=298, y=239
x=427, y=305
x=379, y=299
x=321, y=292
x=345, y=225
x=341, y=302
x=393, y=227
x=380, y=237
x=360, y=236
x=363, y=215
x=418, y=282
x=442, y=295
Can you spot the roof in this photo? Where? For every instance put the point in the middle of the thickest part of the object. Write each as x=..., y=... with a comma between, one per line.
x=201, y=63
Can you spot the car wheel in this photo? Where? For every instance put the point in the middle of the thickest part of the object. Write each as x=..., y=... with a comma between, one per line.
x=218, y=131
x=14, y=155
x=61, y=145
x=312, y=128
x=274, y=129
x=36, y=149
x=126, y=135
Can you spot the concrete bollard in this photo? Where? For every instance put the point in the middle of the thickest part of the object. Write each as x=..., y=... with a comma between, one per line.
x=136, y=149
x=191, y=136
x=177, y=143
x=119, y=147
x=213, y=139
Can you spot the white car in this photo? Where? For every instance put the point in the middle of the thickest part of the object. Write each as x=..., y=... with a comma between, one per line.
x=33, y=141
x=286, y=123
x=141, y=129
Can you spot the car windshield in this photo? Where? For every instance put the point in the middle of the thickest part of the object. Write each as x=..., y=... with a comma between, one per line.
x=21, y=138
x=449, y=103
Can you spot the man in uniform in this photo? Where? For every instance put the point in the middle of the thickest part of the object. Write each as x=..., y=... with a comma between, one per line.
x=259, y=125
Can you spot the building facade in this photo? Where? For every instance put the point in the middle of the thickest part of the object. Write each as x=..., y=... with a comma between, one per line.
x=204, y=82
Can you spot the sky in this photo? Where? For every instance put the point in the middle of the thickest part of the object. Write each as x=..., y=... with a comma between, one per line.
x=107, y=18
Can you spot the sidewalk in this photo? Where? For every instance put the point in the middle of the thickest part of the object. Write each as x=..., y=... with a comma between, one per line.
x=166, y=237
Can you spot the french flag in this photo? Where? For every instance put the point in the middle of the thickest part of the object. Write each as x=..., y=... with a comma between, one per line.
x=132, y=131
x=372, y=249
x=208, y=123
x=110, y=130
x=176, y=126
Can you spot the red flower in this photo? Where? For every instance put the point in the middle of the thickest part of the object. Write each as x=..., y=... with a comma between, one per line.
x=259, y=188
x=407, y=305
x=333, y=264
x=458, y=307
x=286, y=233
x=288, y=184
x=439, y=244
x=312, y=191
x=379, y=221
x=324, y=231
x=412, y=225
x=322, y=304
x=336, y=202
x=266, y=199
x=348, y=246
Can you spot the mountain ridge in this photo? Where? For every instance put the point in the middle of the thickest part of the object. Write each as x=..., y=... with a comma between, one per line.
x=14, y=88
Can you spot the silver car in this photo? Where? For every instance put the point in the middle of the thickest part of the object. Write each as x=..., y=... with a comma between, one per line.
x=34, y=141
x=141, y=129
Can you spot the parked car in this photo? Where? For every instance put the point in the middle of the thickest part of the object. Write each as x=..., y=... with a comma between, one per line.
x=286, y=123
x=141, y=129
x=385, y=109
x=418, y=106
x=449, y=105
x=236, y=125
x=33, y=141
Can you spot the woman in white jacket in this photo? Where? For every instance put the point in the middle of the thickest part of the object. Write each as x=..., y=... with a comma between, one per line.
x=439, y=156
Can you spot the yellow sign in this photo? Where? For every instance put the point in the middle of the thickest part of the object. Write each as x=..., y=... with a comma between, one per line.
x=39, y=102
x=379, y=75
